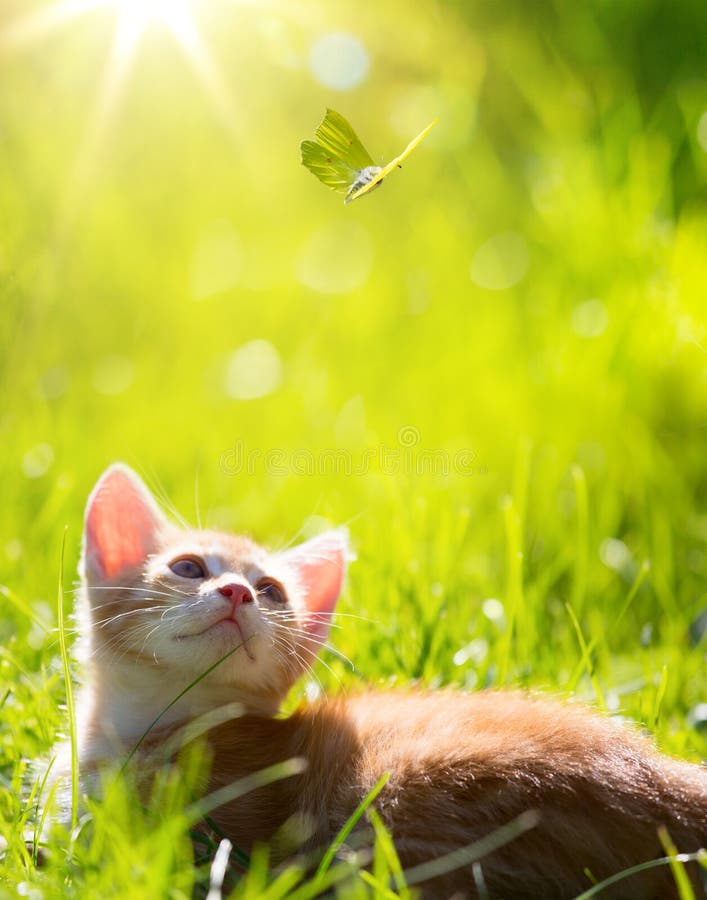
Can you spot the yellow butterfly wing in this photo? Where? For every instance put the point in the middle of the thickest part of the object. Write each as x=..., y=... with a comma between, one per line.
x=339, y=139
x=329, y=169
x=387, y=169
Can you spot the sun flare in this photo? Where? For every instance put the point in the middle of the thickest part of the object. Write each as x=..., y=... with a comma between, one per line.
x=135, y=16
x=147, y=9
x=132, y=19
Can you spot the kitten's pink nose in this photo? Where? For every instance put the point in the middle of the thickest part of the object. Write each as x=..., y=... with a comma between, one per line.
x=238, y=593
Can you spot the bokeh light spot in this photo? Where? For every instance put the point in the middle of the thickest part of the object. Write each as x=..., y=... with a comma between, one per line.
x=589, y=319
x=216, y=262
x=697, y=717
x=14, y=549
x=54, y=383
x=338, y=258
x=253, y=370
x=501, y=262
x=38, y=460
x=615, y=554
x=475, y=651
x=339, y=61
x=493, y=609
x=312, y=691
x=113, y=375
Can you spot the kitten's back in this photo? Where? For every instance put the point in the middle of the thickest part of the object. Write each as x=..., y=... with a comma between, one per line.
x=463, y=766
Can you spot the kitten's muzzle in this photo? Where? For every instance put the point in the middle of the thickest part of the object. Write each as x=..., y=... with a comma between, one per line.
x=237, y=593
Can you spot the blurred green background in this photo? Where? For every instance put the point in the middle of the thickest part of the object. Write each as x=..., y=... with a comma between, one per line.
x=529, y=289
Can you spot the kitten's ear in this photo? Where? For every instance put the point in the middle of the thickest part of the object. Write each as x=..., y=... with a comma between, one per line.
x=319, y=567
x=122, y=526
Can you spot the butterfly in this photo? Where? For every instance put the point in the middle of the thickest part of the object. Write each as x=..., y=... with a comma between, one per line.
x=340, y=161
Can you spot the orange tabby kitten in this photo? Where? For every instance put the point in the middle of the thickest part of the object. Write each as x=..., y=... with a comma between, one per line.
x=161, y=605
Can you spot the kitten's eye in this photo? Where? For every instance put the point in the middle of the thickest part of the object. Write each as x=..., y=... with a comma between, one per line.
x=188, y=567
x=271, y=590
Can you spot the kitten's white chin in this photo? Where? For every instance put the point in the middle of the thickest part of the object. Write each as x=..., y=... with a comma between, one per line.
x=221, y=637
x=230, y=630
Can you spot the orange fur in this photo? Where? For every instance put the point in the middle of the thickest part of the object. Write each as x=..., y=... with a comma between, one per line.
x=462, y=766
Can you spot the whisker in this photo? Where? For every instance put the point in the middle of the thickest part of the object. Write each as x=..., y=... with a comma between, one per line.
x=130, y=612
x=196, y=499
x=296, y=623
x=149, y=635
x=299, y=531
x=314, y=654
x=294, y=655
x=119, y=589
x=339, y=655
x=158, y=489
x=320, y=616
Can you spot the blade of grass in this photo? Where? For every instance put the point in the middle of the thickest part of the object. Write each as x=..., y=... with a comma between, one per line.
x=349, y=826
x=256, y=879
x=69, y=690
x=659, y=695
x=342, y=872
x=384, y=843
x=579, y=585
x=637, y=582
x=479, y=881
x=682, y=882
x=39, y=825
x=633, y=591
x=597, y=889
x=464, y=856
x=39, y=831
x=521, y=478
x=380, y=889
x=24, y=608
x=283, y=884
x=195, y=812
x=586, y=656
x=514, y=585
x=241, y=856
x=217, y=873
x=579, y=669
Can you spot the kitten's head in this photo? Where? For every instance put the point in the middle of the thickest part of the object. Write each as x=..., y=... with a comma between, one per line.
x=180, y=600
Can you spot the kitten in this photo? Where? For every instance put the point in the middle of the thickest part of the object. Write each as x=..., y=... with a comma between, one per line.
x=162, y=605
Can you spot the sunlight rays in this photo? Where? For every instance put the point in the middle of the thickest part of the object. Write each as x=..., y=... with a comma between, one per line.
x=133, y=18
x=197, y=55
x=110, y=87
x=37, y=25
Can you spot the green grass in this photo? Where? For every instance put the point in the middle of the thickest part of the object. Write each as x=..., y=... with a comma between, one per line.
x=142, y=247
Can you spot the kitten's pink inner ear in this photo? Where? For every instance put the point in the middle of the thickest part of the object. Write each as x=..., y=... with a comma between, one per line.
x=122, y=524
x=320, y=567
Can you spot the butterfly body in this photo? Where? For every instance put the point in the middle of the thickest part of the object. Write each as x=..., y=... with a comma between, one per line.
x=339, y=160
x=364, y=178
